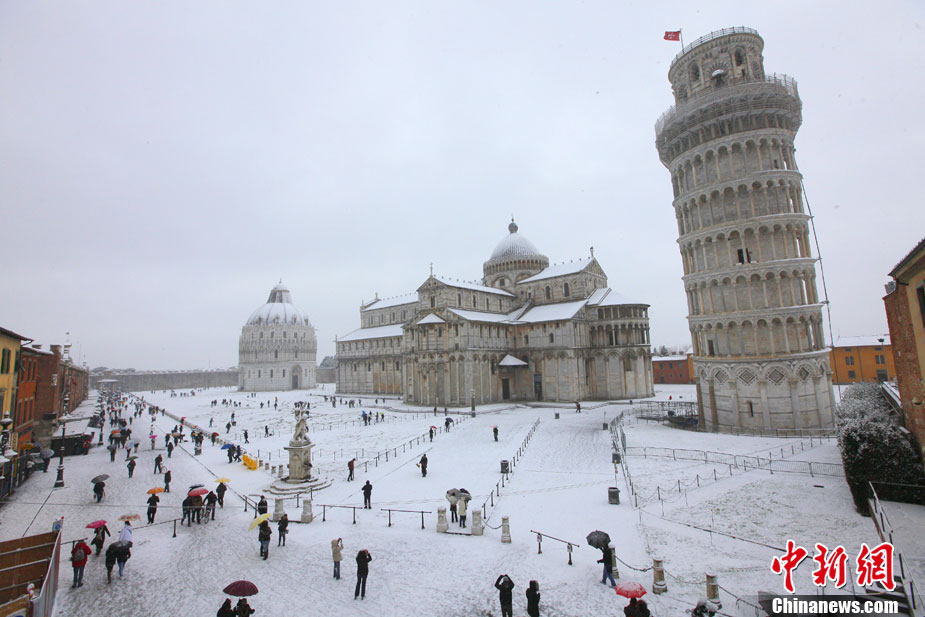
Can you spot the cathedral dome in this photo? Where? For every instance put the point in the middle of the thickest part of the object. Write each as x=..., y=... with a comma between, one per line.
x=514, y=246
x=279, y=309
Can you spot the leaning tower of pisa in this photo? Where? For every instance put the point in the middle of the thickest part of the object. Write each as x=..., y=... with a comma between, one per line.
x=760, y=357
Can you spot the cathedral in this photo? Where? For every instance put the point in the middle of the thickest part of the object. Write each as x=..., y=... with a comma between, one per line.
x=529, y=331
x=277, y=347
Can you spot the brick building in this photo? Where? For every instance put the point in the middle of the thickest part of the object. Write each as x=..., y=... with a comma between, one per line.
x=905, y=313
x=60, y=386
x=673, y=369
x=862, y=358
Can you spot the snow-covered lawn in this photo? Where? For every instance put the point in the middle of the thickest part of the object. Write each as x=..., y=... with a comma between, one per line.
x=559, y=488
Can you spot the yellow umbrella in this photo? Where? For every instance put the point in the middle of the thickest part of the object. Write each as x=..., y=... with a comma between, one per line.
x=222, y=480
x=259, y=520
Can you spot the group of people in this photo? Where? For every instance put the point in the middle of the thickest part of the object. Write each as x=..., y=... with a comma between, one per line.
x=117, y=552
x=505, y=586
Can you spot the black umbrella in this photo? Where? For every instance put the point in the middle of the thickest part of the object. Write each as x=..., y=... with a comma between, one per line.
x=196, y=486
x=464, y=494
x=598, y=539
x=100, y=478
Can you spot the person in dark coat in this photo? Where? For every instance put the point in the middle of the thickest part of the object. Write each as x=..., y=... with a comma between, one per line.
x=237, y=453
x=350, y=465
x=431, y=433
x=263, y=536
x=642, y=608
x=363, y=559
x=243, y=609
x=79, y=555
x=245, y=436
x=152, y=508
x=262, y=506
x=533, y=599
x=99, y=538
x=631, y=609
x=607, y=560
x=170, y=447
x=282, y=528
x=131, y=467
x=423, y=465
x=157, y=463
x=167, y=478
x=47, y=461
x=220, y=493
x=494, y=431
x=210, y=506
x=226, y=610
x=187, y=506
x=505, y=586
x=367, y=495
x=112, y=453
x=230, y=452
x=99, y=490
x=110, y=562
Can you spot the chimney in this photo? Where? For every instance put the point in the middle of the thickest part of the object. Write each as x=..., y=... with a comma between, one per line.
x=56, y=349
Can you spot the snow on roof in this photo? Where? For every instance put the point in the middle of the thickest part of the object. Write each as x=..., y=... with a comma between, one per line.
x=370, y=333
x=480, y=316
x=393, y=301
x=613, y=298
x=473, y=286
x=510, y=360
x=570, y=267
x=876, y=340
x=552, y=312
x=669, y=358
x=431, y=318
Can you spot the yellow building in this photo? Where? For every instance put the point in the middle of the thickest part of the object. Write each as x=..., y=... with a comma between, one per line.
x=862, y=358
x=10, y=344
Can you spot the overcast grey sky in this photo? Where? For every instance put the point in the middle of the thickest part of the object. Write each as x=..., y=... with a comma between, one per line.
x=164, y=164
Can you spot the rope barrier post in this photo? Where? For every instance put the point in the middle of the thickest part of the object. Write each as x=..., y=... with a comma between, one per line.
x=658, y=577
x=390, y=517
x=713, y=591
x=324, y=513
x=174, y=528
x=422, y=519
x=539, y=544
x=569, y=547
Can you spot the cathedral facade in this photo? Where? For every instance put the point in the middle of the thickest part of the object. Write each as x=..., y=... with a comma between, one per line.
x=277, y=347
x=527, y=332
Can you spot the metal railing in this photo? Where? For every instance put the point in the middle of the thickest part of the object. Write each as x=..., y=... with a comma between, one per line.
x=697, y=99
x=713, y=35
x=885, y=531
x=746, y=462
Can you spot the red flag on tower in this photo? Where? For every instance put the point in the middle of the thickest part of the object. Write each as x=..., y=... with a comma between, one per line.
x=673, y=35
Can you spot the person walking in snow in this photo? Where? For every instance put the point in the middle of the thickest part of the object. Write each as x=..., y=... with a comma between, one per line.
x=533, y=599
x=454, y=517
x=227, y=428
x=262, y=506
x=363, y=559
x=462, y=508
x=350, y=465
x=446, y=424
x=230, y=452
x=99, y=538
x=245, y=436
x=577, y=407
x=157, y=463
x=167, y=477
x=225, y=610
x=187, y=506
x=98, y=490
x=282, y=528
x=170, y=448
x=152, y=508
x=367, y=493
x=431, y=433
x=607, y=560
x=126, y=534
x=423, y=465
x=131, y=467
x=494, y=431
x=79, y=555
x=220, y=493
x=263, y=536
x=210, y=506
x=505, y=585
x=266, y=430
x=243, y=609
x=337, y=554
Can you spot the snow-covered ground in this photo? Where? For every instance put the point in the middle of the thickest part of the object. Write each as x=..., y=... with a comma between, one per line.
x=559, y=487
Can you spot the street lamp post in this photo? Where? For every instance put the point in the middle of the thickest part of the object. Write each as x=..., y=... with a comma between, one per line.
x=59, y=481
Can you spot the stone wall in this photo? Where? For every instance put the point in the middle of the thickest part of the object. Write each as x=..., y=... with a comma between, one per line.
x=168, y=380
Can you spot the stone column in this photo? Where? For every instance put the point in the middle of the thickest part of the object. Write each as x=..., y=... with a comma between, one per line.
x=442, y=525
x=307, y=511
x=505, y=530
x=477, y=528
x=278, y=509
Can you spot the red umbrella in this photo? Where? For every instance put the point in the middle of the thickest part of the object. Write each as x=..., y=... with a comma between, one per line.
x=241, y=588
x=199, y=492
x=96, y=524
x=629, y=589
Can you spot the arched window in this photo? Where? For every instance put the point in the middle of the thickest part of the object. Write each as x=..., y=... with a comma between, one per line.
x=565, y=290
x=739, y=56
x=433, y=301
x=275, y=354
x=458, y=299
x=271, y=335
x=284, y=335
x=695, y=72
x=548, y=292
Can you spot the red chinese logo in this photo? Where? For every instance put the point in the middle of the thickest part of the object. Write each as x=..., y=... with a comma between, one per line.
x=876, y=565
x=830, y=566
x=788, y=563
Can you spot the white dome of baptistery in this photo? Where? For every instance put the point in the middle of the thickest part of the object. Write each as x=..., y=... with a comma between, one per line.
x=279, y=309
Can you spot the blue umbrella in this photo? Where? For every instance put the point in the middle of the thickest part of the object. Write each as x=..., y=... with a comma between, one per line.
x=227, y=446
